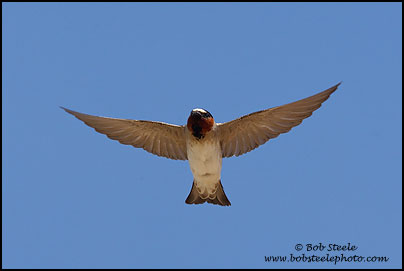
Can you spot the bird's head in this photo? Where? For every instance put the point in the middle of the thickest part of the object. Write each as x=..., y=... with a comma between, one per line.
x=200, y=122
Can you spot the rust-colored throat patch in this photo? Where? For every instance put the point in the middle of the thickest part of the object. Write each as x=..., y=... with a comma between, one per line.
x=199, y=123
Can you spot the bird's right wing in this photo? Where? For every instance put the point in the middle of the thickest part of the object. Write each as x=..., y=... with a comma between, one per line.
x=158, y=138
x=248, y=132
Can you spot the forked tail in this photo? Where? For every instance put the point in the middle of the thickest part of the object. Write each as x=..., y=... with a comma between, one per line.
x=219, y=197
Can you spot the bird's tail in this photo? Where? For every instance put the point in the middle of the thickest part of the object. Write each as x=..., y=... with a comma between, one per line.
x=219, y=197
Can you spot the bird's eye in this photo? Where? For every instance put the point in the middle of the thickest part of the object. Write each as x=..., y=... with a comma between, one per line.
x=207, y=115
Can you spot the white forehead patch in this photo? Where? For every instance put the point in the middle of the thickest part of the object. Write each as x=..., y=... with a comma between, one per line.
x=199, y=110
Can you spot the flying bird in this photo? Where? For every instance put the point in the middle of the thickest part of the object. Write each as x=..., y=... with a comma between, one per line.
x=203, y=142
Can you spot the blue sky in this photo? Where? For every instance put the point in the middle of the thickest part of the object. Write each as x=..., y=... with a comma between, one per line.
x=72, y=198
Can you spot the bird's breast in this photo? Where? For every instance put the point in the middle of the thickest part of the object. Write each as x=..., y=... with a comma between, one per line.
x=205, y=158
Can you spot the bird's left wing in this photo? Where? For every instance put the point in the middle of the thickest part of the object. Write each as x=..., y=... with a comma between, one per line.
x=158, y=138
x=248, y=132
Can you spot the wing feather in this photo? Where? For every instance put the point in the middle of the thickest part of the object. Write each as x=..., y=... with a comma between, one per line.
x=250, y=131
x=154, y=137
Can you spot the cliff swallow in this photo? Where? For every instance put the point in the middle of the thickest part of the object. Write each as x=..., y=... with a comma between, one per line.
x=203, y=142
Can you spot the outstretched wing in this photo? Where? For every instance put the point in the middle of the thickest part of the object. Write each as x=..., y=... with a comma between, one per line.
x=248, y=132
x=159, y=138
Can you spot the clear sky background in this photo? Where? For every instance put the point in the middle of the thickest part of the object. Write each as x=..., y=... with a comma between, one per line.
x=74, y=198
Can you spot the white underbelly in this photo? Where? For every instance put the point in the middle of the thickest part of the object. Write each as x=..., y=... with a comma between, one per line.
x=205, y=161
